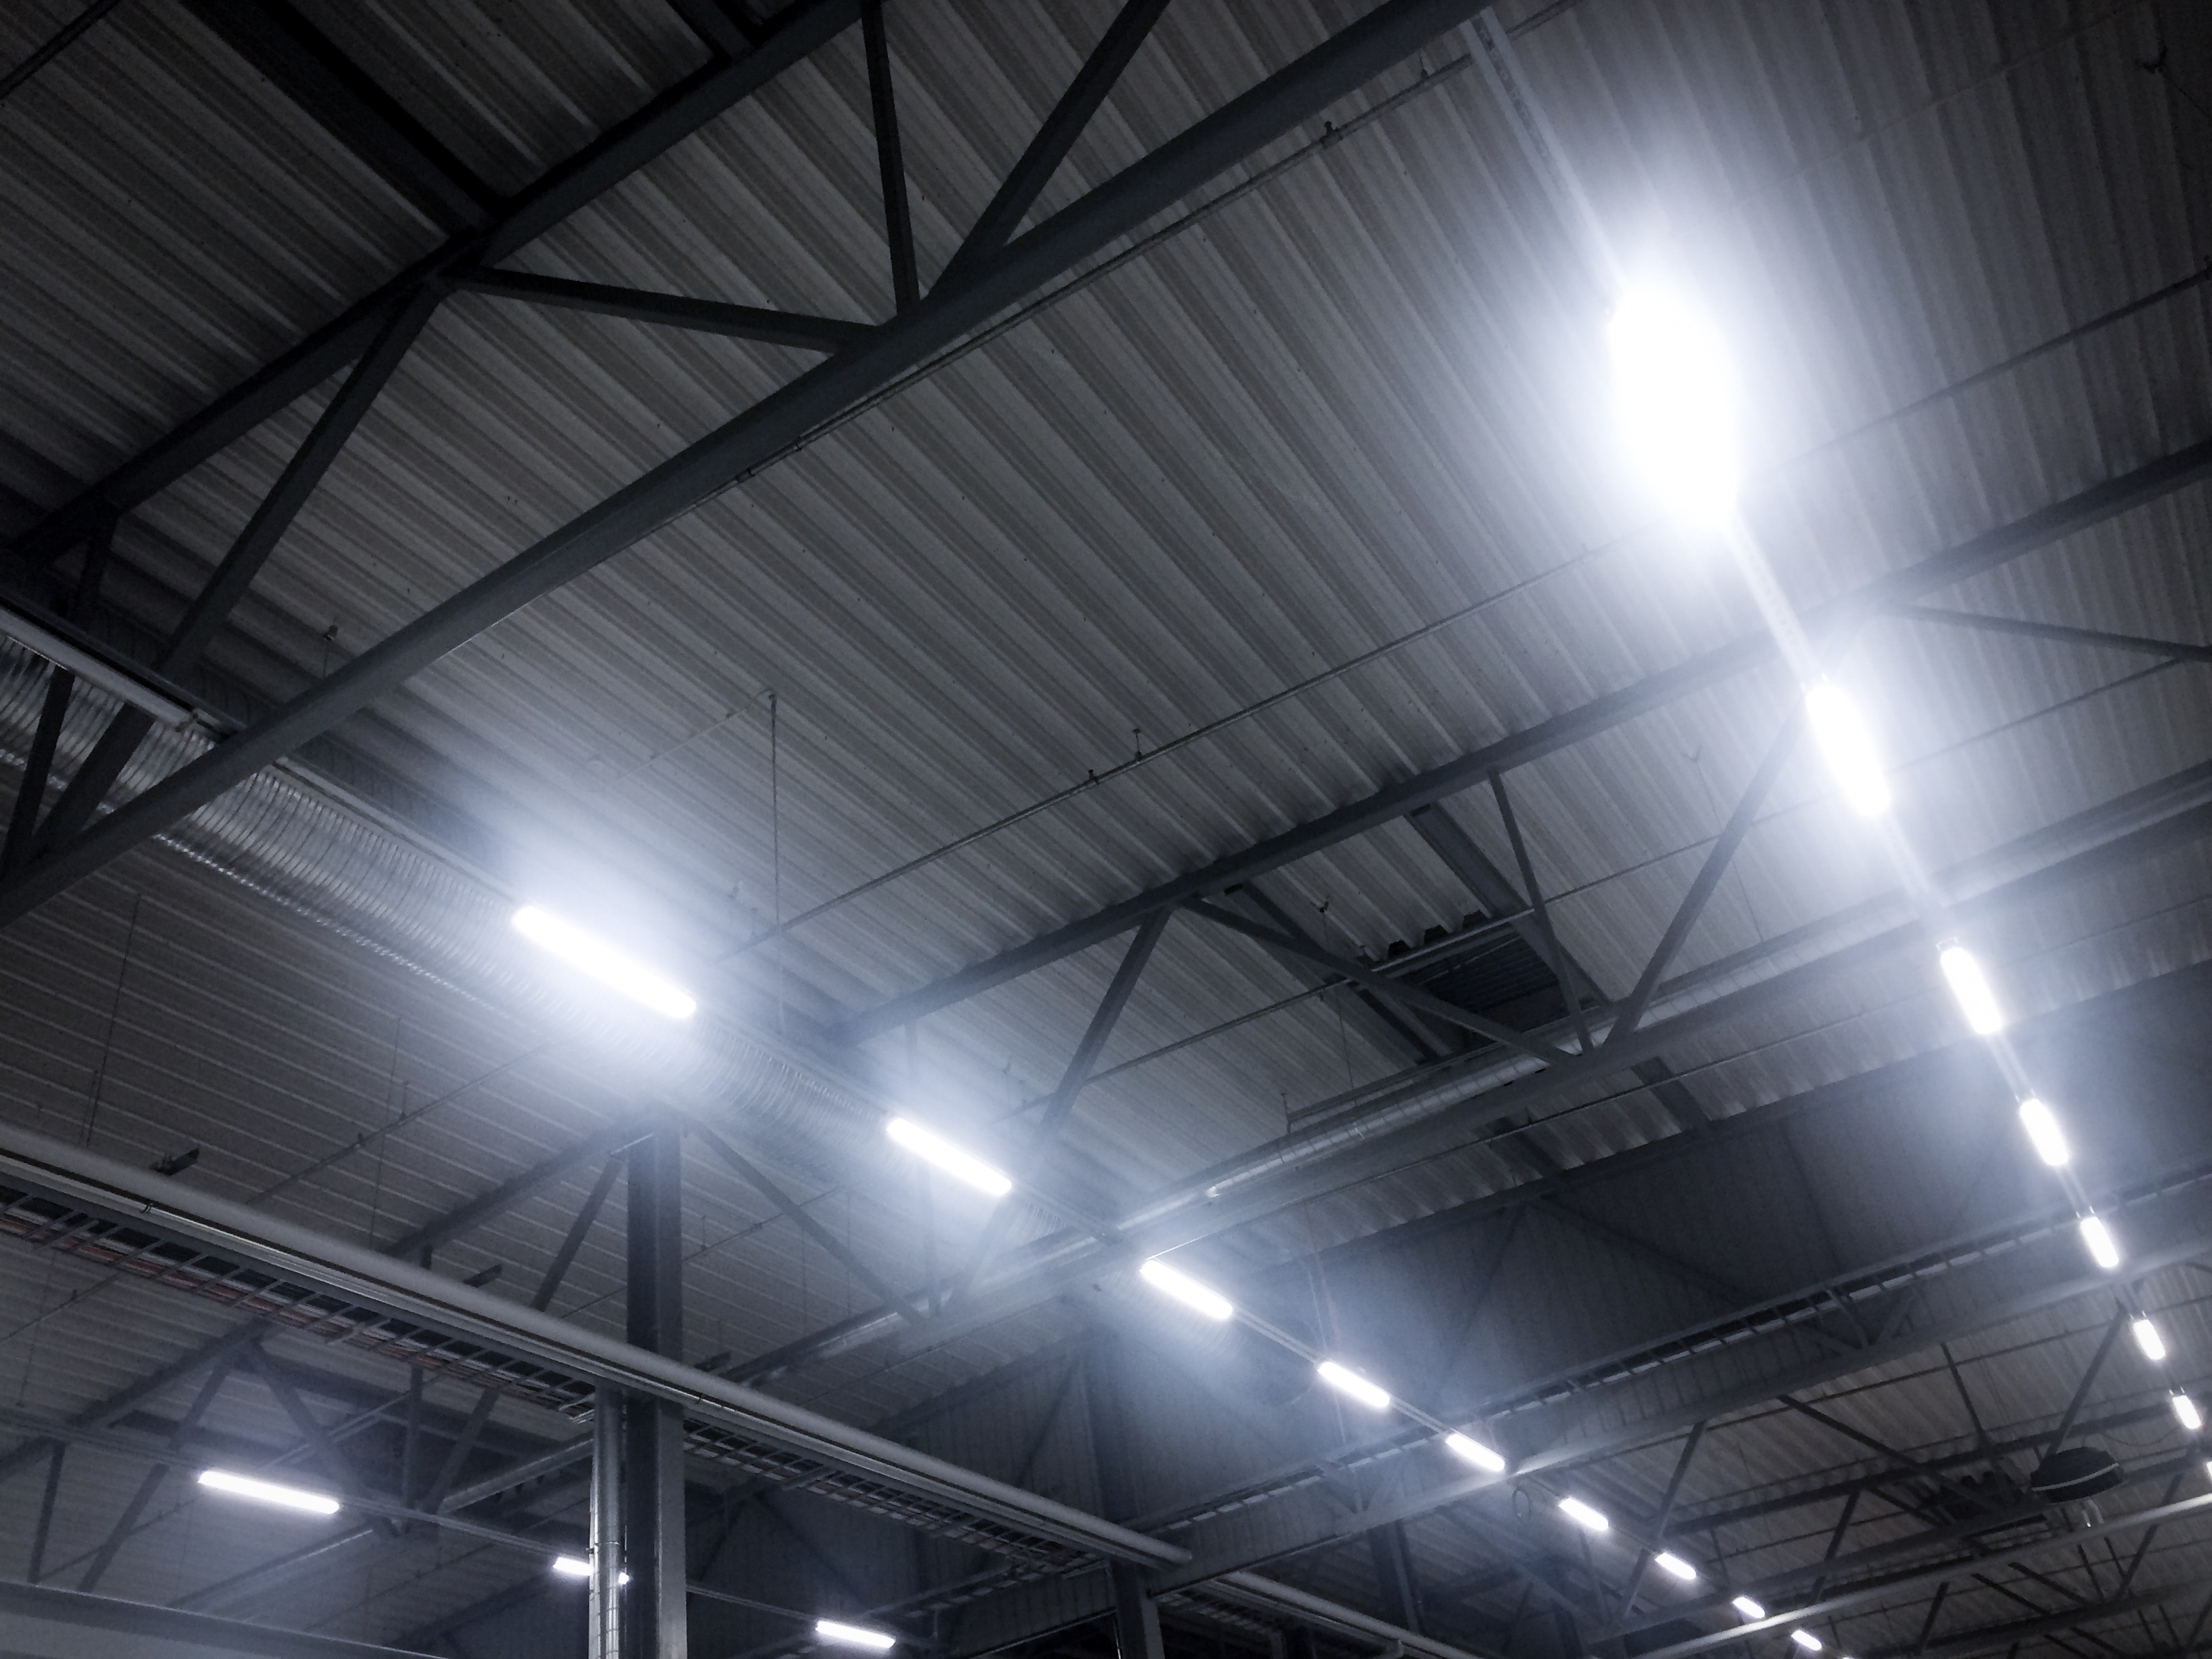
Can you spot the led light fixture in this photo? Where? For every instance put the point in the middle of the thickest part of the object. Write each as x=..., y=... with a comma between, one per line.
x=1675, y=396
x=2097, y=1239
x=2044, y=1133
x=1482, y=1456
x=1848, y=747
x=946, y=1155
x=1747, y=1607
x=2185, y=1412
x=1186, y=1290
x=855, y=1636
x=1583, y=1516
x=1806, y=1639
x=2148, y=1338
x=1344, y=1380
x=1667, y=1562
x=1977, y=1001
x=572, y=945
x=268, y=1491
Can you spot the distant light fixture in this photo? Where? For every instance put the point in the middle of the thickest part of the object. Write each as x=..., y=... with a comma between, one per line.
x=962, y=1166
x=2044, y=1133
x=1344, y=1380
x=2097, y=1239
x=2148, y=1338
x=1186, y=1290
x=1583, y=1516
x=1848, y=747
x=1482, y=1456
x=2185, y=1412
x=1806, y=1639
x=596, y=958
x=855, y=1636
x=1667, y=1562
x=1747, y=1607
x=1977, y=1001
x=268, y=1491
x=1675, y=396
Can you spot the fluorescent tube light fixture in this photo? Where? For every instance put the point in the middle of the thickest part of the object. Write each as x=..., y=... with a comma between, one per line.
x=1747, y=1607
x=1482, y=1456
x=855, y=1636
x=2044, y=1133
x=1675, y=396
x=1344, y=1380
x=1806, y=1639
x=1848, y=747
x=1673, y=1564
x=2185, y=1412
x=1977, y=1001
x=962, y=1166
x=2097, y=1239
x=2148, y=1338
x=1169, y=1281
x=268, y=1491
x=1583, y=1516
x=596, y=958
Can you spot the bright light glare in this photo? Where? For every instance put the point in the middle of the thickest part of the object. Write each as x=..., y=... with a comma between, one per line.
x=603, y=962
x=1344, y=1380
x=855, y=1636
x=949, y=1157
x=571, y=1566
x=2097, y=1239
x=1583, y=1516
x=2044, y=1133
x=1806, y=1639
x=1667, y=1562
x=1747, y=1607
x=1186, y=1290
x=1977, y=1001
x=1482, y=1456
x=1675, y=396
x=2185, y=1412
x=268, y=1491
x=2148, y=1338
x=1848, y=747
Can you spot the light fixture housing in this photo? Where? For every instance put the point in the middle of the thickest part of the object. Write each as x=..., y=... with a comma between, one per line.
x=613, y=969
x=269, y=1491
x=1583, y=1514
x=1171, y=1281
x=2185, y=1412
x=2148, y=1338
x=1806, y=1639
x=1475, y=1452
x=2044, y=1133
x=855, y=1636
x=1971, y=987
x=1673, y=1564
x=1674, y=397
x=2097, y=1239
x=1747, y=1607
x=1848, y=747
x=1346, y=1381
x=934, y=1148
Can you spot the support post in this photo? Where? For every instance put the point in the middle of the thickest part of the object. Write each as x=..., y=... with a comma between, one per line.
x=652, y=1623
x=604, y=1639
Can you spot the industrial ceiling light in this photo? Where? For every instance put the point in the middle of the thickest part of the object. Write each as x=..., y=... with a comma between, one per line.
x=268, y=1491
x=1675, y=396
x=1806, y=1639
x=1667, y=1562
x=1344, y=1380
x=2097, y=1238
x=1848, y=747
x=1747, y=1607
x=962, y=1166
x=1482, y=1456
x=1977, y=1001
x=2185, y=1412
x=2148, y=1338
x=596, y=958
x=855, y=1636
x=1186, y=1290
x=1583, y=1516
x=2044, y=1133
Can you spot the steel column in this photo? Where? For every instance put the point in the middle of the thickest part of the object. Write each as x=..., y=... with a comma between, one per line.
x=653, y=1616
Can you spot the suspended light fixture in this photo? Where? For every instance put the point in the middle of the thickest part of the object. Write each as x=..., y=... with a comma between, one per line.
x=2148, y=1338
x=268, y=1491
x=1583, y=1514
x=1346, y=1381
x=1675, y=396
x=600, y=960
x=1673, y=1564
x=2097, y=1238
x=1848, y=747
x=2044, y=1133
x=1977, y=1001
x=1482, y=1456
x=936, y=1148
x=1183, y=1288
